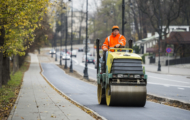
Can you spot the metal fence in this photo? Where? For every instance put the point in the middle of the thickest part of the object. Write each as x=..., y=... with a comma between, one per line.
x=152, y=59
x=178, y=61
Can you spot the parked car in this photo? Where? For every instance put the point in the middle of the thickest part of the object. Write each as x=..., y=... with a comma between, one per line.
x=65, y=56
x=90, y=59
x=80, y=50
x=52, y=51
x=74, y=53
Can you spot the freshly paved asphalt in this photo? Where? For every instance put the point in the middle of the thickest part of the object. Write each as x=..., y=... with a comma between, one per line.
x=85, y=94
x=170, y=86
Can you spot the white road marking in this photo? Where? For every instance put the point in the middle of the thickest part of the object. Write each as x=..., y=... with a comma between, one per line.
x=81, y=64
x=181, y=88
x=169, y=85
x=76, y=62
x=169, y=80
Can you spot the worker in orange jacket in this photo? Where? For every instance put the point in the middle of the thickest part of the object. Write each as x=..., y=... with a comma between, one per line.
x=114, y=40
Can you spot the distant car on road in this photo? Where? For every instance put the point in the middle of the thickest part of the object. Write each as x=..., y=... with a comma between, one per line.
x=74, y=53
x=66, y=51
x=90, y=59
x=52, y=51
x=89, y=54
x=65, y=56
x=88, y=49
x=80, y=50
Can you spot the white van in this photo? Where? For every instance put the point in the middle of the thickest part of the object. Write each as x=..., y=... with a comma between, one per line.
x=74, y=53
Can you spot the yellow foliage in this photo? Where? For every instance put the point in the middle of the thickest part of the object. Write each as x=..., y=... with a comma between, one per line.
x=21, y=19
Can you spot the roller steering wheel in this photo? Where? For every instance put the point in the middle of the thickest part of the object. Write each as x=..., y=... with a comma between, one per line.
x=119, y=46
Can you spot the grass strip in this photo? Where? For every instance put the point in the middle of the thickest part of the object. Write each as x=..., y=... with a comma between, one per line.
x=9, y=92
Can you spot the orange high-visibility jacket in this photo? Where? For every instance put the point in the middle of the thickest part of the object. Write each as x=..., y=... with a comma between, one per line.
x=111, y=41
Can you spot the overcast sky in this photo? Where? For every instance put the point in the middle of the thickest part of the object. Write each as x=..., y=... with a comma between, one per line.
x=91, y=4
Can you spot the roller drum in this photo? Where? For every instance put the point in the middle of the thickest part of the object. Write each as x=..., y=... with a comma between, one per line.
x=122, y=95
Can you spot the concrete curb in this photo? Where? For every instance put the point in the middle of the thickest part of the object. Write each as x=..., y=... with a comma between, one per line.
x=97, y=116
x=170, y=101
x=14, y=107
x=167, y=73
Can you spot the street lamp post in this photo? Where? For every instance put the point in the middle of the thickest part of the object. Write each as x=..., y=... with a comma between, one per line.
x=66, y=40
x=160, y=37
x=55, y=46
x=71, y=65
x=61, y=33
x=86, y=65
x=123, y=16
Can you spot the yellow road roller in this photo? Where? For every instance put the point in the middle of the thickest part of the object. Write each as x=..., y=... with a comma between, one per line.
x=121, y=78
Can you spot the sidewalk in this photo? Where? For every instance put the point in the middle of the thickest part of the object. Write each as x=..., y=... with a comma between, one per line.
x=164, y=70
x=38, y=101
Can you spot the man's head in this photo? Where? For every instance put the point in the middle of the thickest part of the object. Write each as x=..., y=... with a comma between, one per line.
x=115, y=30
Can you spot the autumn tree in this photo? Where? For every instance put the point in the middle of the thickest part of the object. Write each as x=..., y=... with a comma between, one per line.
x=18, y=20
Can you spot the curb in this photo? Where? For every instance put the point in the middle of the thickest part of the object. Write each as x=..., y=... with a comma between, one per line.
x=14, y=107
x=169, y=101
x=85, y=109
x=167, y=73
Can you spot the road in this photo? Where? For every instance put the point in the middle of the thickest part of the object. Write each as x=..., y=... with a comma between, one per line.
x=85, y=94
x=170, y=86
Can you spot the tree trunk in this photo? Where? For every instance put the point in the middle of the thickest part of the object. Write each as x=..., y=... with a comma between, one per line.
x=1, y=69
x=6, y=70
x=15, y=63
x=2, y=35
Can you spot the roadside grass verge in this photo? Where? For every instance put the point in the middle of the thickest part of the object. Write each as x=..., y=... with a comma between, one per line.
x=9, y=92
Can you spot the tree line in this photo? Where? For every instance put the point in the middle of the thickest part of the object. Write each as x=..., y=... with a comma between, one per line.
x=141, y=17
x=23, y=27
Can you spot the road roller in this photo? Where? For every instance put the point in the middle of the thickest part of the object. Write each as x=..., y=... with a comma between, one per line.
x=121, y=78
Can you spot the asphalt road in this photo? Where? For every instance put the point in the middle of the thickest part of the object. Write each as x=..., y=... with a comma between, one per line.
x=170, y=86
x=85, y=94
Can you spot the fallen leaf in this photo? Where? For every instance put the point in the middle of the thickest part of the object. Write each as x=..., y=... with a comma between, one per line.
x=22, y=117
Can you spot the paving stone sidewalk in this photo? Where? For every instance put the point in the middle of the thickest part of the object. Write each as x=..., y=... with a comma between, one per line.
x=38, y=101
